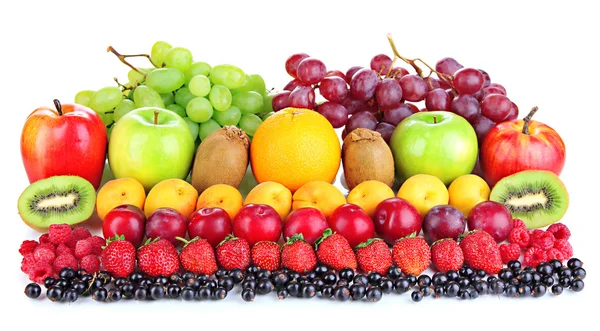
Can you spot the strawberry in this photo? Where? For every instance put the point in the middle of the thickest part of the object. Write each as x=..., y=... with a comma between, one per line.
x=266, y=255
x=118, y=257
x=446, y=255
x=333, y=250
x=374, y=255
x=481, y=252
x=298, y=255
x=198, y=256
x=233, y=253
x=158, y=257
x=412, y=255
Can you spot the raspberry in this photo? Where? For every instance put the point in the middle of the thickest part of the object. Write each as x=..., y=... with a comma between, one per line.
x=27, y=246
x=27, y=262
x=542, y=239
x=97, y=243
x=565, y=248
x=83, y=248
x=63, y=249
x=518, y=223
x=80, y=233
x=59, y=233
x=65, y=260
x=48, y=245
x=45, y=238
x=71, y=242
x=90, y=263
x=560, y=231
x=519, y=236
x=509, y=252
x=554, y=253
x=40, y=271
x=534, y=256
x=44, y=254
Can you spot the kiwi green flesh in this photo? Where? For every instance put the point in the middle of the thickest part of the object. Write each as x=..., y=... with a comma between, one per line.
x=539, y=198
x=58, y=199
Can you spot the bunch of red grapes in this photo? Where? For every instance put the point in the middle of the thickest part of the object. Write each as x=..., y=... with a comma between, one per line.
x=380, y=97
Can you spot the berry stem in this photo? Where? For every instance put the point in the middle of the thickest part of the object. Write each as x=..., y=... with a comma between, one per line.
x=122, y=58
x=58, y=107
x=123, y=87
x=527, y=120
x=155, y=117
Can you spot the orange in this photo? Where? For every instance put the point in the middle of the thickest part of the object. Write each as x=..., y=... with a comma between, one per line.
x=320, y=195
x=466, y=191
x=223, y=196
x=368, y=194
x=424, y=192
x=116, y=192
x=272, y=194
x=172, y=193
x=293, y=147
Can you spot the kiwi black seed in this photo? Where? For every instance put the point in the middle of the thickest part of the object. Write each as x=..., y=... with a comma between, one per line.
x=537, y=197
x=58, y=199
x=366, y=156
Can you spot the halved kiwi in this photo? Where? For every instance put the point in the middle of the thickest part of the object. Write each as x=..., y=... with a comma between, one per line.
x=55, y=200
x=537, y=197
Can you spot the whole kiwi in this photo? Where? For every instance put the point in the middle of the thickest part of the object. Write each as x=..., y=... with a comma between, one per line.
x=221, y=158
x=366, y=156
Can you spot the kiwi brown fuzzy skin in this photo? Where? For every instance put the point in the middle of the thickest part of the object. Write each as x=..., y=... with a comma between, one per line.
x=366, y=156
x=221, y=158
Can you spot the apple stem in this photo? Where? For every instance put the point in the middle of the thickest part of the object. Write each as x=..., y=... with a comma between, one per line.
x=155, y=117
x=58, y=107
x=527, y=119
x=122, y=58
x=434, y=120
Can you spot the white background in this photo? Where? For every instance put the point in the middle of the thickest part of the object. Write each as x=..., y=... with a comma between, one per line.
x=544, y=53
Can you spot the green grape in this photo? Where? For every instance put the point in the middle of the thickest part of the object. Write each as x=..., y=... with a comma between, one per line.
x=220, y=97
x=177, y=109
x=229, y=117
x=267, y=115
x=248, y=102
x=105, y=99
x=267, y=103
x=258, y=84
x=179, y=58
x=207, y=128
x=168, y=98
x=199, y=86
x=193, y=127
x=227, y=75
x=199, y=110
x=107, y=118
x=183, y=96
x=124, y=107
x=197, y=68
x=250, y=123
x=165, y=80
x=83, y=97
x=159, y=52
x=246, y=87
x=144, y=96
x=136, y=78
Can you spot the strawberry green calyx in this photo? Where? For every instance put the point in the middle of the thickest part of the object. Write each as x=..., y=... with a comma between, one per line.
x=328, y=232
x=148, y=242
x=367, y=243
x=115, y=238
x=294, y=238
x=228, y=238
x=187, y=242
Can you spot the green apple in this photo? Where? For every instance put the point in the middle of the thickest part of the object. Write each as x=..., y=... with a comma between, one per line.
x=151, y=144
x=437, y=143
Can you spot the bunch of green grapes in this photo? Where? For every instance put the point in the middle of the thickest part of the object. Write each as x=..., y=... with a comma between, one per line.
x=206, y=97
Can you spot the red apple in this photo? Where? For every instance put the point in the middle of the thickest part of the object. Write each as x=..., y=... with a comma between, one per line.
x=212, y=224
x=68, y=140
x=396, y=218
x=518, y=145
x=443, y=221
x=309, y=222
x=166, y=223
x=126, y=220
x=353, y=223
x=491, y=217
x=257, y=222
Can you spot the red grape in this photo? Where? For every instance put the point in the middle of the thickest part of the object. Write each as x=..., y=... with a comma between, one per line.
x=335, y=113
x=395, y=115
x=496, y=107
x=466, y=106
x=414, y=108
x=381, y=64
x=354, y=106
x=333, y=88
x=386, y=130
x=336, y=73
x=479, y=95
x=311, y=71
x=363, y=84
x=467, y=81
x=447, y=66
x=292, y=85
x=498, y=86
x=291, y=64
x=486, y=78
x=482, y=125
x=350, y=73
x=362, y=119
x=388, y=93
x=414, y=88
x=302, y=97
x=344, y=134
x=514, y=112
x=432, y=83
x=437, y=99
x=281, y=100
x=492, y=90
x=398, y=72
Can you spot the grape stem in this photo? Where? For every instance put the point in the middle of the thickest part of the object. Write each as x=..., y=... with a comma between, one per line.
x=122, y=58
x=527, y=120
x=58, y=107
x=123, y=87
